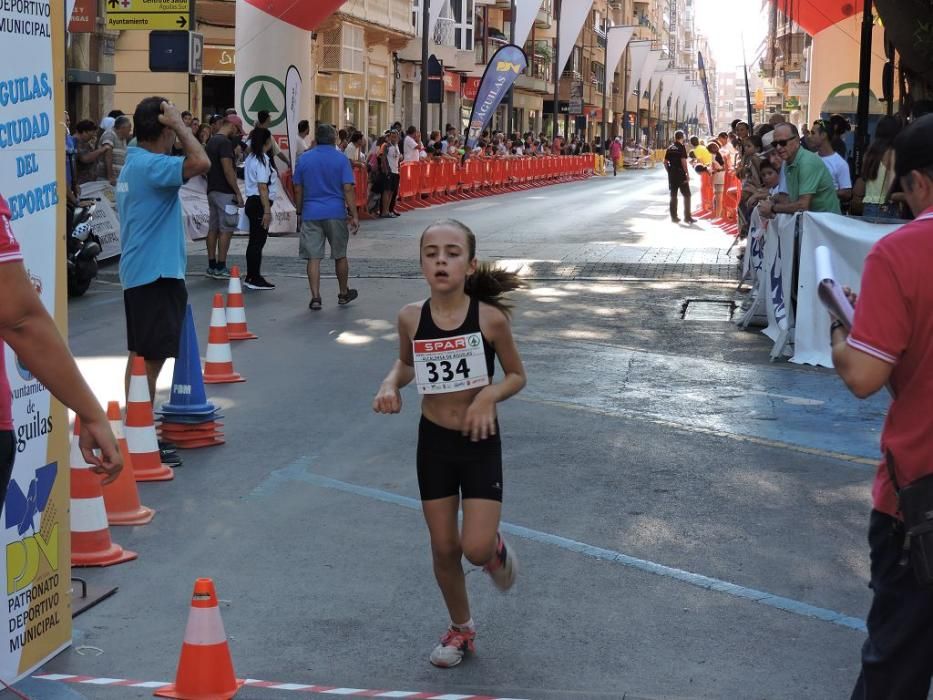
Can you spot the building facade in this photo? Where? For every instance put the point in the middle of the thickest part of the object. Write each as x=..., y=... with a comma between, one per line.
x=367, y=67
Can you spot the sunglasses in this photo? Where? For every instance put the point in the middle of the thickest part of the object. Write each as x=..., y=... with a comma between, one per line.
x=781, y=143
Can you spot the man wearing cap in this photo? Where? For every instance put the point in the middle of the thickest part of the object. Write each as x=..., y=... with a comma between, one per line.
x=809, y=184
x=890, y=343
x=223, y=192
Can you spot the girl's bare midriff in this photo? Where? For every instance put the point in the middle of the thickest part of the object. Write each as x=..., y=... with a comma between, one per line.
x=448, y=410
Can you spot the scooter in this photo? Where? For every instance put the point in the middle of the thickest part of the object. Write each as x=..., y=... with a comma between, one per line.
x=83, y=247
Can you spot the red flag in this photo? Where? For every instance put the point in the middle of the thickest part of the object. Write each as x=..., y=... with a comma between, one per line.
x=305, y=15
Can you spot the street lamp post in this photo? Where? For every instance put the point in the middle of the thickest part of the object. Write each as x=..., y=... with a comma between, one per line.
x=557, y=68
x=425, y=29
x=508, y=119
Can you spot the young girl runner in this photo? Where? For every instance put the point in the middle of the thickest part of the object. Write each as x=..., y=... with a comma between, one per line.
x=448, y=345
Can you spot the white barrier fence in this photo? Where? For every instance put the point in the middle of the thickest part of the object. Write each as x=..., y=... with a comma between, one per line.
x=193, y=196
x=785, y=246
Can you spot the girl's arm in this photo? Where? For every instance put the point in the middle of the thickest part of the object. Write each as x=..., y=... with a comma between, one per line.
x=388, y=398
x=480, y=419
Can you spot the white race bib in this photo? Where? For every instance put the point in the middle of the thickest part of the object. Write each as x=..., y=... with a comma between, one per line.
x=452, y=364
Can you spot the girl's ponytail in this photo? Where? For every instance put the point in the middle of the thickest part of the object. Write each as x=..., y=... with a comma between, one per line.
x=490, y=284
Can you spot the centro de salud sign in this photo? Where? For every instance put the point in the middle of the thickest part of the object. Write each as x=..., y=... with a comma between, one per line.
x=123, y=15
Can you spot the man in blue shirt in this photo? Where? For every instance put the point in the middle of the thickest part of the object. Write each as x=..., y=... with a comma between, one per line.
x=154, y=259
x=324, y=185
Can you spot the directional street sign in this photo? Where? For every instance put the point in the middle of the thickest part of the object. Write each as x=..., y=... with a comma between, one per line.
x=147, y=14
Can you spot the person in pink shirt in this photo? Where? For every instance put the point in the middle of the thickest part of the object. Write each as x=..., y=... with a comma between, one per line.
x=28, y=329
x=615, y=154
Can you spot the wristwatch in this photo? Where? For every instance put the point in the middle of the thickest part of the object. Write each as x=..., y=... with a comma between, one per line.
x=835, y=325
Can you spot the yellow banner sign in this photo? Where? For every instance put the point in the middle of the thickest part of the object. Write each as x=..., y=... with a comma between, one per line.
x=147, y=14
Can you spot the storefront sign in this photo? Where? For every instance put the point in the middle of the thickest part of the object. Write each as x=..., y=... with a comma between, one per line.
x=35, y=545
x=471, y=88
x=219, y=60
x=378, y=88
x=354, y=86
x=327, y=85
x=451, y=82
x=83, y=17
x=576, y=97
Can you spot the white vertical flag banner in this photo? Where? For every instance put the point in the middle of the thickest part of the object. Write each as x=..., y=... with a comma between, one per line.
x=292, y=113
x=615, y=46
x=434, y=12
x=573, y=14
x=525, y=13
x=638, y=54
x=647, y=72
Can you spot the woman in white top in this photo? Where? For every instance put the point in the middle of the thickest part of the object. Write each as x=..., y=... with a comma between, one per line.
x=262, y=188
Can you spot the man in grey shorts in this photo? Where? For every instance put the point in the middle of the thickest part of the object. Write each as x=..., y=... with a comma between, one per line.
x=324, y=185
x=222, y=191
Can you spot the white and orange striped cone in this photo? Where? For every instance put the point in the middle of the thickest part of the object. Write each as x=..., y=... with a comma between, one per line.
x=218, y=365
x=205, y=669
x=236, y=309
x=141, y=440
x=121, y=497
x=90, y=535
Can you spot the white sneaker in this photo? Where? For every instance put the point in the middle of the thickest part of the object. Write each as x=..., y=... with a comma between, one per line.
x=503, y=567
x=454, y=644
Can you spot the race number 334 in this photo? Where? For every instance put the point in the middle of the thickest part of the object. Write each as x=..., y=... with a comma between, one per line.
x=445, y=365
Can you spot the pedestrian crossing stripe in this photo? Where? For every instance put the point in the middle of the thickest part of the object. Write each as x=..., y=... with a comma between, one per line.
x=272, y=685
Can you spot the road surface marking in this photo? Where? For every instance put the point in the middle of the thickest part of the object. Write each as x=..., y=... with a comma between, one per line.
x=299, y=471
x=271, y=685
x=636, y=415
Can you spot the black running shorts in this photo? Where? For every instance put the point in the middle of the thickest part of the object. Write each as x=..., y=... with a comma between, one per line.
x=155, y=313
x=450, y=464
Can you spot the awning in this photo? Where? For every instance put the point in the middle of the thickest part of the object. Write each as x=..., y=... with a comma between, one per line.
x=306, y=15
x=816, y=15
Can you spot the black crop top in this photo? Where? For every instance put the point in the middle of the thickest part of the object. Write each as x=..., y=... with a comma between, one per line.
x=428, y=330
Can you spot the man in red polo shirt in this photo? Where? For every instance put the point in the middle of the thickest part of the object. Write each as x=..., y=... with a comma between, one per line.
x=27, y=327
x=892, y=342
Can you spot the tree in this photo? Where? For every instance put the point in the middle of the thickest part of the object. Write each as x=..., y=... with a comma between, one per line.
x=909, y=26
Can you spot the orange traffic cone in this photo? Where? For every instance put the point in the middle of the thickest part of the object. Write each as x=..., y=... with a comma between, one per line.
x=218, y=365
x=205, y=670
x=236, y=309
x=90, y=537
x=141, y=437
x=122, y=496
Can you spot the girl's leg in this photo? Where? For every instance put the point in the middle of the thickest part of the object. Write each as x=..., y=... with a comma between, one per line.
x=441, y=517
x=480, y=529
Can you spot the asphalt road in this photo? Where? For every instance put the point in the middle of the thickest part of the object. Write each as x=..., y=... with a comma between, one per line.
x=690, y=518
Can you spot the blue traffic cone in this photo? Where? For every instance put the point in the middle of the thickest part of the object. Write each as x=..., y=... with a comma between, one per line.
x=188, y=397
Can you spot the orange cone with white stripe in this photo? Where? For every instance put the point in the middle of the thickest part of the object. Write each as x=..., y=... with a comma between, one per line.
x=90, y=536
x=141, y=440
x=218, y=365
x=121, y=497
x=236, y=309
x=205, y=670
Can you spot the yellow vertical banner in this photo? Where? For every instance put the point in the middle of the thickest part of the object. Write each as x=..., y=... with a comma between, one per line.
x=36, y=541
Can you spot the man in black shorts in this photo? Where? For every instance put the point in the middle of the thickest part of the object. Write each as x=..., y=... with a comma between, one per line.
x=154, y=259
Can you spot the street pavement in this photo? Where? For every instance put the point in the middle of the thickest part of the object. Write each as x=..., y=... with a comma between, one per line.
x=690, y=518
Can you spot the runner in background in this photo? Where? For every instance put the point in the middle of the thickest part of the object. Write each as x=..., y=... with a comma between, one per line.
x=448, y=345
